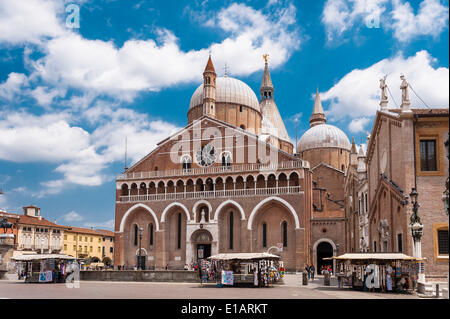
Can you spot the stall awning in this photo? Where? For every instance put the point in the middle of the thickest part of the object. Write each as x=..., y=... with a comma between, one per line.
x=244, y=256
x=41, y=257
x=373, y=256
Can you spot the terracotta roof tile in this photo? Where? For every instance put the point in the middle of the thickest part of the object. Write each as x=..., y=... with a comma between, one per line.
x=105, y=232
x=30, y=220
x=80, y=230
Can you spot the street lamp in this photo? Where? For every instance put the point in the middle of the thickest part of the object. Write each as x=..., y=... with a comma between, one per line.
x=140, y=242
x=416, y=233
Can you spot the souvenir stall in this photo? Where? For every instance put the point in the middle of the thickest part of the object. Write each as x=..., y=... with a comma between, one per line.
x=256, y=269
x=381, y=272
x=45, y=267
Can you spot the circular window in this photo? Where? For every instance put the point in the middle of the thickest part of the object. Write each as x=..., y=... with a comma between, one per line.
x=206, y=155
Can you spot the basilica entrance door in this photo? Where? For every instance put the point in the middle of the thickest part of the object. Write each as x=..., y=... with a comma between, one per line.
x=203, y=251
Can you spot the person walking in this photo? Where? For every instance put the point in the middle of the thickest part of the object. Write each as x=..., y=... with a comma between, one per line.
x=312, y=270
x=200, y=275
x=307, y=271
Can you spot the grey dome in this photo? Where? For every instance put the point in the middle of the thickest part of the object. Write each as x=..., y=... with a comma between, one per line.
x=323, y=135
x=229, y=90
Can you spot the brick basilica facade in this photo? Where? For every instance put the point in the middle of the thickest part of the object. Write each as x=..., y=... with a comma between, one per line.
x=230, y=182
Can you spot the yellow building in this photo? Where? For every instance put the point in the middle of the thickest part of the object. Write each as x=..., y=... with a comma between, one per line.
x=107, y=246
x=83, y=243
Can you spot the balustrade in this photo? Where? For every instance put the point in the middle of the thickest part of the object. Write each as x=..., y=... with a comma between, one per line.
x=213, y=194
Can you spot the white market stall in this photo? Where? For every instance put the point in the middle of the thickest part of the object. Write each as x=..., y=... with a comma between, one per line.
x=257, y=269
x=376, y=271
x=45, y=267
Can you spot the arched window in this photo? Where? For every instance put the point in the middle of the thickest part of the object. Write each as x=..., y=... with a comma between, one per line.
x=186, y=162
x=367, y=206
x=284, y=230
x=231, y=230
x=151, y=234
x=343, y=167
x=240, y=108
x=226, y=159
x=264, y=234
x=242, y=126
x=136, y=230
x=179, y=232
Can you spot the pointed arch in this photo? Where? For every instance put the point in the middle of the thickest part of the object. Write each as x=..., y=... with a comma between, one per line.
x=275, y=199
x=204, y=202
x=125, y=216
x=232, y=202
x=163, y=216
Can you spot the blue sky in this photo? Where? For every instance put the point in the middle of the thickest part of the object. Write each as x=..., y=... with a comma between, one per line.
x=69, y=96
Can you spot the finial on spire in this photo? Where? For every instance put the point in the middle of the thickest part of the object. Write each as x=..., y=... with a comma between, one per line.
x=225, y=70
x=266, y=57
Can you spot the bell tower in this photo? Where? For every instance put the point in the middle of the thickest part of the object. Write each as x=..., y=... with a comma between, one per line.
x=209, y=89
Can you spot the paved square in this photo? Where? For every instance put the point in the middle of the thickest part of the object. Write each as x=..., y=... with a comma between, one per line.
x=292, y=289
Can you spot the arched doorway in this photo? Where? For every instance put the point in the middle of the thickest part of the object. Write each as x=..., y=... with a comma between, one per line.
x=324, y=250
x=201, y=243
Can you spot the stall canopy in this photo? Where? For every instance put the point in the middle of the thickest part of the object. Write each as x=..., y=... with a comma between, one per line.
x=374, y=256
x=40, y=257
x=244, y=256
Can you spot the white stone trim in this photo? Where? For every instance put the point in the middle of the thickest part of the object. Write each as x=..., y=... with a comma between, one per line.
x=124, y=218
x=145, y=251
x=194, y=209
x=273, y=198
x=163, y=216
x=223, y=204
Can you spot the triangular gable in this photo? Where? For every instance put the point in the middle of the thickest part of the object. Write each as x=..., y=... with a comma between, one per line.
x=218, y=122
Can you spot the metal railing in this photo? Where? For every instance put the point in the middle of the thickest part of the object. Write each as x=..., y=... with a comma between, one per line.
x=216, y=170
x=212, y=194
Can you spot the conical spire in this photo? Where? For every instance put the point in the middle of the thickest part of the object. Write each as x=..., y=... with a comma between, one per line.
x=210, y=66
x=317, y=116
x=318, y=109
x=361, y=152
x=266, y=88
x=353, y=150
x=266, y=81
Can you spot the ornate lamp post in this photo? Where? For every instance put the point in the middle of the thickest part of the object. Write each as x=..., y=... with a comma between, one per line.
x=416, y=233
x=140, y=244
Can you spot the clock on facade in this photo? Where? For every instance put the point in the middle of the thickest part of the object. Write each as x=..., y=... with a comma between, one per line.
x=206, y=155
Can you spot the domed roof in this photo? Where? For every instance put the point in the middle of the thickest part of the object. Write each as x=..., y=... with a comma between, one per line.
x=229, y=90
x=323, y=135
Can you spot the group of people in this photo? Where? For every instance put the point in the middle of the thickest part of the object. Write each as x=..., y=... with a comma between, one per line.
x=326, y=268
x=311, y=270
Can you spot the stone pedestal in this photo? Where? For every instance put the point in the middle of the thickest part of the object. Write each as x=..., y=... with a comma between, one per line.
x=6, y=249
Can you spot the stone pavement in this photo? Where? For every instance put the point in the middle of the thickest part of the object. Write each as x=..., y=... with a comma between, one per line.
x=291, y=289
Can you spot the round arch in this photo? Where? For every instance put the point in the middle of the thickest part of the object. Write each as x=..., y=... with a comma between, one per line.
x=316, y=244
x=142, y=249
x=276, y=199
x=232, y=202
x=125, y=216
x=163, y=216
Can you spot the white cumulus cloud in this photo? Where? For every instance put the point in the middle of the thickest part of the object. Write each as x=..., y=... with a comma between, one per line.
x=341, y=16
x=431, y=19
x=357, y=94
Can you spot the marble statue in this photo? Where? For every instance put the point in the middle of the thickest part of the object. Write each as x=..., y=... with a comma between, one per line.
x=405, y=94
